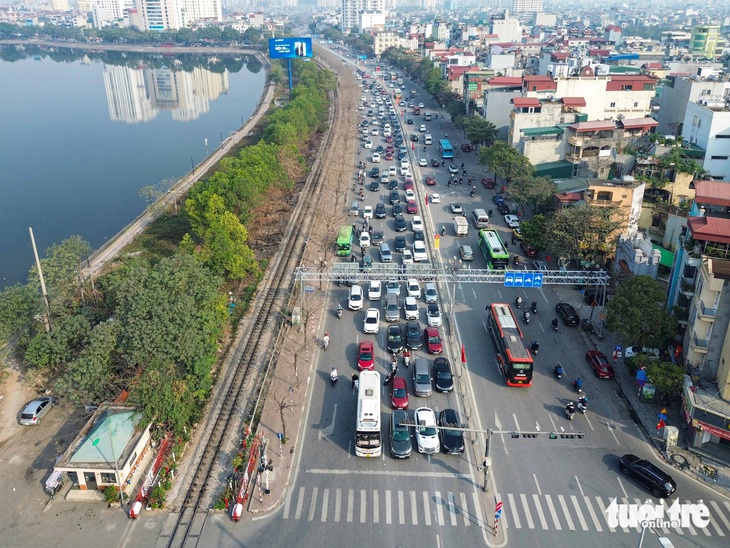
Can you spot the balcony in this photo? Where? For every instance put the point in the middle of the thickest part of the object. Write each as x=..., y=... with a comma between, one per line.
x=597, y=140
x=687, y=288
x=573, y=158
x=700, y=345
x=706, y=313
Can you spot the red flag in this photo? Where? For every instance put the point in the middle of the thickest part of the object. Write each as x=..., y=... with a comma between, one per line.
x=660, y=424
x=463, y=354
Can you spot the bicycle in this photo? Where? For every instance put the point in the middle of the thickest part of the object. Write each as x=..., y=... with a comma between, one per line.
x=707, y=470
x=676, y=459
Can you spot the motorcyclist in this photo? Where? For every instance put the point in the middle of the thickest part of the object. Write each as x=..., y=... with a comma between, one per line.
x=558, y=370
x=406, y=357
x=526, y=316
x=555, y=323
x=534, y=307
x=339, y=310
x=443, y=230
x=578, y=384
x=333, y=375
x=535, y=346
x=583, y=403
x=326, y=340
x=518, y=301
x=570, y=409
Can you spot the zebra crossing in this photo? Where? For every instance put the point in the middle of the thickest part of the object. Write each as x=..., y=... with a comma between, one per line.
x=459, y=509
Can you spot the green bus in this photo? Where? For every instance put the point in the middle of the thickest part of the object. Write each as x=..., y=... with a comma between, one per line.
x=493, y=249
x=344, y=241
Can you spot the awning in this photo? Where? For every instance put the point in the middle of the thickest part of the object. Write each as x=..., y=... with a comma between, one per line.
x=522, y=102
x=554, y=170
x=667, y=258
x=631, y=123
x=533, y=131
x=573, y=101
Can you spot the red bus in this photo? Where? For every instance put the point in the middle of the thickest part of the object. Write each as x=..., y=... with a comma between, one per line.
x=515, y=360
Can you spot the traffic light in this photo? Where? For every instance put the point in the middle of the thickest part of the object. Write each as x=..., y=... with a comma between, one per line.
x=553, y=436
x=529, y=435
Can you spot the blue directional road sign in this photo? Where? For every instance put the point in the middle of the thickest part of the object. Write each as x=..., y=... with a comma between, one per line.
x=308, y=289
x=618, y=348
x=517, y=278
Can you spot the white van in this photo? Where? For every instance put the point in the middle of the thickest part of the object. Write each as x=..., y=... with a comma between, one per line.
x=480, y=218
x=427, y=139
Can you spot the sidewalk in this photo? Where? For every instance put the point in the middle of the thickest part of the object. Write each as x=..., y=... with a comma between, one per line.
x=645, y=413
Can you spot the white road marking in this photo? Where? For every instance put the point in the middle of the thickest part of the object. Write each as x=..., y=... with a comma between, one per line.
x=388, y=508
x=528, y=515
x=552, y=421
x=414, y=508
x=540, y=513
x=553, y=513
x=603, y=511
x=313, y=503
x=398, y=473
x=639, y=502
x=300, y=502
x=580, y=488
x=338, y=503
x=477, y=509
x=720, y=514
x=350, y=504
x=517, y=424
x=376, y=506
x=325, y=503
x=622, y=487
x=401, y=508
x=328, y=430
x=462, y=500
x=566, y=512
x=498, y=425
x=515, y=516
x=452, y=508
x=426, y=509
x=594, y=517
x=692, y=530
x=439, y=508
x=363, y=505
x=537, y=484
x=588, y=420
x=612, y=429
x=287, y=504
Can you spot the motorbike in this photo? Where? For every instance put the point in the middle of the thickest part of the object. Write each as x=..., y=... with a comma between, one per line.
x=526, y=316
x=518, y=302
x=583, y=405
x=471, y=193
x=333, y=377
x=578, y=385
x=535, y=347
x=570, y=411
x=325, y=341
x=406, y=360
x=339, y=311
x=558, y=370
x=534, y=307
x=555, y=324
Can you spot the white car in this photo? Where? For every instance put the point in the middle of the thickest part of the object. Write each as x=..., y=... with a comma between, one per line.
x=364, y=239
x=653, y=353
x=405, y=171
x=419, y=252
x=433, y=315
x=413, y=288
x=367, y=212
x=410, y=195
x=420, y=105
x=355, y=300
x=407, y=256
x=409, y=179
x=422, y=128
x=368, y=144
x=417, y=224
x=423, y=162
x=372, y=321
x=375, y=290
x=435, y=198
x=392, y=171
x=512, y=221
x=405, y=162
x=376, y=157
x=427, y=436
x=374, y=131
x=411, y=308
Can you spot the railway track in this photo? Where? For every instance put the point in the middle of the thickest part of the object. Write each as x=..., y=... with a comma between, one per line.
x=249, y=371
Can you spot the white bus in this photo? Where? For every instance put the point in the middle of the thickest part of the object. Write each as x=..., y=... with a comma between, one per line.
x=368, y=442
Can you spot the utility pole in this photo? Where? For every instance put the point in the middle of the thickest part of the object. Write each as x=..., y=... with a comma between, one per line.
x=47, y=302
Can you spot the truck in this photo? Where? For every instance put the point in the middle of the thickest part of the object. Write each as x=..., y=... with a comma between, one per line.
x=461, y=226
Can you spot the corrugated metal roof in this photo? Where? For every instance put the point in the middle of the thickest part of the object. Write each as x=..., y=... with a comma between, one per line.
x=525, y=102
x=573, y=101
x=710, y=229
x=550, y=130
x=639, y=122
x=581, y=127
x=712, y=192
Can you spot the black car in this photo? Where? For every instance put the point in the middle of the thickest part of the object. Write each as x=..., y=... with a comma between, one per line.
x=380, y=210
x=452, y=441
x=591, y=295
x=392, y=184
x=414, y=340
x=397, y=209
x=380, y=149
x=395, y=339
x=442, y=375
x=377, y=238
x=375, y=186
x=375, y=173
x=414, y=138
x=394, y=196
x=409, y=121
x=419, y=237
x=400, y=224
x=503, y=209
x=567, y=313
x=466, y=147
x=435, y=162
x=400, y=244
x=656, y=481
x=400, y=436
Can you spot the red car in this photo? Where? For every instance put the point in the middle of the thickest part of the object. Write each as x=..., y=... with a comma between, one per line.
x=399, y=394
x=433, y=340
x=529, y=250
x=409, y=183
x=466, y=147
x=365, y=356
x=412, y=207
x=487, y=182
x=600, y=364
x=389, y=156
x=389, y=139
x=431, y=180
x=389, y=148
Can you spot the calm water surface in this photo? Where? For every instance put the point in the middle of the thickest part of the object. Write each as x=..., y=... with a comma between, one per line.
x=79, y=139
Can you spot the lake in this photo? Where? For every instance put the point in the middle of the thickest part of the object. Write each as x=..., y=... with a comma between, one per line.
x=82, y=134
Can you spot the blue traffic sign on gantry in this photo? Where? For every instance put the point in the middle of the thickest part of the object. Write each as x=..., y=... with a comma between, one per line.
x=514, y=278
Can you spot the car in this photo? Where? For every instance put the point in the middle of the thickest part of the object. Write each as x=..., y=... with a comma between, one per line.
x=430, y=293
x=413, y=288
x=376, y=157
x=420, y=255
x=410, y=308
x=567, y=313
x=456, y=208
x=410, y=194
x=392, y=171
x=435, y=162
x=398, y=393
x=498, y=199
x=380, y=149
x=414, y=341
x=503, y=208
x=654, y=479
x=409, y=121
x=487, y=182
x=412, y=207
x=435, y=198
x=517, y=233
x=422, y=128
x=371, y=324
x=414, y=138
x=452, y=440
x=466, y=253
x=528, y=249
x=422, y=162
x=433, y=315
x=600, y=364
x=433, y=340
x=367, y=212
x=365, y=356
x=408, y=184
x=34, y=411
x=400, y=244
x=540, y=265
x=393, y=184
x=364, y=239
x=420, y=105
x=374, y=131
x=417, y=224
x=512, y=221
x=392, y=287
x=394, y=339
x=407, y=256
x=375, y=290
x=453, y=168
x=405, y=171
x=374, y=173
x=388, y=138
x=368, y=144
x=430, y=180
x=374, y=186
x=384, y=177
x=400, y=223
x=466, y=147
x=377, y=238
x=427, y=438
x=652, y=353
x=400, y=436
x=380, y=210
x=442, y=375
x=355, y=300
x=394, y=196
x=388, y=156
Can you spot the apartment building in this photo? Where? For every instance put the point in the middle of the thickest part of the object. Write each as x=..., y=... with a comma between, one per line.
x=707, y=41
x=352, y=10
x=678, y=92
x=707, y=126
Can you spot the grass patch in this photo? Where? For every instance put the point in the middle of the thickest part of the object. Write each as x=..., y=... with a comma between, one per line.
x=162, y=237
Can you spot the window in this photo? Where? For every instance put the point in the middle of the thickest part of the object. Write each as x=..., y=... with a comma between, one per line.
x=612, y=105
x=722, y=136
x=705, y=92
x=636, y=104
x=107, y=478
x=718, y=157
x=694, y=120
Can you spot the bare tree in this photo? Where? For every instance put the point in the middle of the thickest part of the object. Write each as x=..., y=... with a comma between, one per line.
x=299, y=351
x=312, y=306
x=282, y=395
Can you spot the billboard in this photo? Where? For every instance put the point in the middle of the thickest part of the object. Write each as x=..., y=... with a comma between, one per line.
x=290, y=48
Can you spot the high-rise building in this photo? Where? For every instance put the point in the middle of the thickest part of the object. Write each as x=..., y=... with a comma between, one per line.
x=707, y=41
x=351, y=10
x=159, y=15
x=521, y=6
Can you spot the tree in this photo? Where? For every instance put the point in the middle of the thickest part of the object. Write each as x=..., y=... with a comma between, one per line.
x=61, y=267
x=506, y=162
x=638, y=314
x=536, y=192
x=480, y=131
x=666, y=377
x=534, y=231
x=19, y=303
x=582, y=232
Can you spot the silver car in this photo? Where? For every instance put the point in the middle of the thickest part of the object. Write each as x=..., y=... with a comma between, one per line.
x=35, y=410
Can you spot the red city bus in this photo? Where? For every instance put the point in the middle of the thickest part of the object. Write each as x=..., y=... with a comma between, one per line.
x=515, y=360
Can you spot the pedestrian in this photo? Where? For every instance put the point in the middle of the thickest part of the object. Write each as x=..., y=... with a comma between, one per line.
x=513, y=240
x=506, y=246
x=489, y=212
x=370, y=229
x=354, y=227
x=353, y=258
x=355, y=378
